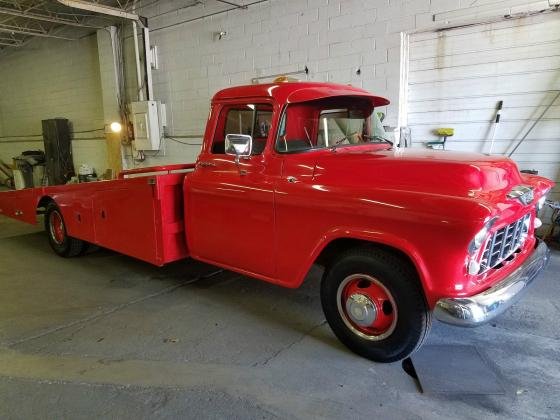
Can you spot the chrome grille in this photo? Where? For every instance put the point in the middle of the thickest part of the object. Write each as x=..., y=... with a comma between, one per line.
x=504, y=242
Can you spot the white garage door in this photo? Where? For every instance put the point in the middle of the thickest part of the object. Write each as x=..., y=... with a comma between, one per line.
x=457, y=77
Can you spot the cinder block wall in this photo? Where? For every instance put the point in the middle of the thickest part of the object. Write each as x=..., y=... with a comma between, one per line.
x=49, y=79
x=333, y=38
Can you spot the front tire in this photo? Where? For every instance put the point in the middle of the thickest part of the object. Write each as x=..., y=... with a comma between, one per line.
x=375, y=305
x=60, y=242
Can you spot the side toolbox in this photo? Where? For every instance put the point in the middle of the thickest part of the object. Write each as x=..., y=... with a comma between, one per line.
x=141, y=214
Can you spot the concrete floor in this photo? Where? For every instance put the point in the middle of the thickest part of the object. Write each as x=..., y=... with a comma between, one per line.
x=108, y=336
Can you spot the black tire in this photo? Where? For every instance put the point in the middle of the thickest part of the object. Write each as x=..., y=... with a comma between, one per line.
x=406, y=318
x=62, y=244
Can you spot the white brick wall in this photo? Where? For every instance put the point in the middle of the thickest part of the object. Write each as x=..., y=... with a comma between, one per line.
x=332, y=37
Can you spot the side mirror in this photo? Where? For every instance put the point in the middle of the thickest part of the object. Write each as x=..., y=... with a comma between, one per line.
x=238, y=145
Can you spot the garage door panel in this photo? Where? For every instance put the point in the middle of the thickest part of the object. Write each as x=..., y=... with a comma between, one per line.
x=484, y=115
x=546, y=156
x=497, y=85
x=470, y=29
x=480, y=131
x=485, y=40
x=487, y=70
x=547, y=149
x=483, y=102
x=540, y=50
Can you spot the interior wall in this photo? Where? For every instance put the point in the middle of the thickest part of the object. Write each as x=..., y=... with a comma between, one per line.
x=49, y=79
x=333, y=38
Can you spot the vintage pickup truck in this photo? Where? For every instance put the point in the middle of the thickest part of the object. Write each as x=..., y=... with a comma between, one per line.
x=299, y=173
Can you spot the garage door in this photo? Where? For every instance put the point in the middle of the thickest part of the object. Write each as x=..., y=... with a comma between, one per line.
x=458, y=76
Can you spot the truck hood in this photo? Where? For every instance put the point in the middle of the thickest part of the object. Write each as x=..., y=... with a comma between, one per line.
x=437, y=172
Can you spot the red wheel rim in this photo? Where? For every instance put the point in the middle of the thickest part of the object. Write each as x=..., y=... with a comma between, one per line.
x=367, y=307
x=56, y=227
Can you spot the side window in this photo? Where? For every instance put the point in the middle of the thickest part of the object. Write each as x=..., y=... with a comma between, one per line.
x=239, y=121
x=252, y=119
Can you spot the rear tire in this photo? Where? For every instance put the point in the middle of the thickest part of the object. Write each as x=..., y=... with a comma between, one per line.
x=375, y=305
x=62, y=244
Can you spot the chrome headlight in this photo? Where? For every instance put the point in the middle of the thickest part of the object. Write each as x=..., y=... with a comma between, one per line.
x=481, y=236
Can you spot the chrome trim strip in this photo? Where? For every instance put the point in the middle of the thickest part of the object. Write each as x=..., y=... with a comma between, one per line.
x=478, y=309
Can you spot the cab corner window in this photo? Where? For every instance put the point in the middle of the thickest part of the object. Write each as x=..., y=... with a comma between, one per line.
x=252, y=119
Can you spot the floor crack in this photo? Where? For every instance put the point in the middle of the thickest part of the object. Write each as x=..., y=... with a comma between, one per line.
x=111, y=310
x=289, y=346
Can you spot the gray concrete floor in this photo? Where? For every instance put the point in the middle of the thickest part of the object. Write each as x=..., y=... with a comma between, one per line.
x=107, y=336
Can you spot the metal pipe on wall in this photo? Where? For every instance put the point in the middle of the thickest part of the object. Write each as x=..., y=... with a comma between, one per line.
x=137, y=59
x=147, y=63
x=139, y=82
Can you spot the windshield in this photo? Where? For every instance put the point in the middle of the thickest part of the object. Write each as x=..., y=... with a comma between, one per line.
x=330, y=122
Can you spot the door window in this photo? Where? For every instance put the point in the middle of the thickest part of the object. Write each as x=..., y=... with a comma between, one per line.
x=252, y=119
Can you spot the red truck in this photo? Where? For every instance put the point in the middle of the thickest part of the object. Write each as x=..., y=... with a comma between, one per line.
x=298, y=173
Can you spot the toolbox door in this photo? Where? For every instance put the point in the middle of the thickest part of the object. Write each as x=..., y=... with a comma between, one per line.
x=125, y=219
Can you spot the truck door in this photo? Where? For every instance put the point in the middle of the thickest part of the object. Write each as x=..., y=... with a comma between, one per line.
x=230, y=214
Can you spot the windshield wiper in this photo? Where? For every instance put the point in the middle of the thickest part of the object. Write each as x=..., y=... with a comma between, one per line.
x=377, y=138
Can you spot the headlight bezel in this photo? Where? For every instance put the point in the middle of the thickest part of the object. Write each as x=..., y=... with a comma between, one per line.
x=481, y=237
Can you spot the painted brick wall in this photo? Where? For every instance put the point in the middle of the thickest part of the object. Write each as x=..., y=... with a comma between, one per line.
x=48, y=79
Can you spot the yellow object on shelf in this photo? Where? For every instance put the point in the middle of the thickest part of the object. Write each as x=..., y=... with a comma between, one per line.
x=445, y=132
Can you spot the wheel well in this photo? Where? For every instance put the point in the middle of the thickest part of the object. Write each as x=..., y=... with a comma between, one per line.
x=43, y=203
x=338, y=246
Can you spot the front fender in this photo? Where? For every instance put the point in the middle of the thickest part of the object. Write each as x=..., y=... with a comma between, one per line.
x=371, y=236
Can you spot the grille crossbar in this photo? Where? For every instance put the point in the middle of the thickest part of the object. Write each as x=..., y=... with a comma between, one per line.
x=504, y=242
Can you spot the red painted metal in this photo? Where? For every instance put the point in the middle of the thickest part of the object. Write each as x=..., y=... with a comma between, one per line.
x=57, y=227
x=140, y=216
x=253, y=218
x=283, y=93
x=156, y=170
x=380, y=297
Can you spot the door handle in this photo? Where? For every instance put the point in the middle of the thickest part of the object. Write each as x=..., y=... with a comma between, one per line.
x=206, y=164
x=291, y=179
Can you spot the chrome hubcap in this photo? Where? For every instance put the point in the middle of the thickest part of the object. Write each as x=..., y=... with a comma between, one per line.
x=361, y=310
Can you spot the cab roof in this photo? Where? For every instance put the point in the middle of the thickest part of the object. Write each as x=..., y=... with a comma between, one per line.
x=294, y=92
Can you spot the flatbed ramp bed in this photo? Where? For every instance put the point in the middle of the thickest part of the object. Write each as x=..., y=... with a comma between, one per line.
x=140, y=214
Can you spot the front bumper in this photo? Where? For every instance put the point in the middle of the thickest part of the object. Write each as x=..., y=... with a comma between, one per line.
x=478, y=309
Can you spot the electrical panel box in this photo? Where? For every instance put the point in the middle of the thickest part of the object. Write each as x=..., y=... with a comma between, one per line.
x=147, y=123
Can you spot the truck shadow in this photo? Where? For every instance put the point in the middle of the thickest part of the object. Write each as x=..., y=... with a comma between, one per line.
x=273, y=307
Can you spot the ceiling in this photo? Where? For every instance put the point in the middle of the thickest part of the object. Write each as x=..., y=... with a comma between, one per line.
x=23, y=20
